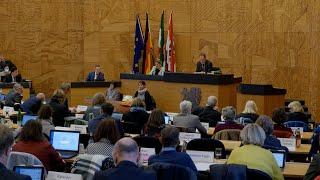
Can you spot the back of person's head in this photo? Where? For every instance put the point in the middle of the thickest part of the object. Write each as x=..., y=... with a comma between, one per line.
x=185, y=107
x=250, y=107
x=212, y=101
x=107, y=129
x=126, y=149
x=142, y=83
x=156, y=119
x=228, y=113
x=41, y=96
x=138, y=103
x=17, y=87
x=45, y=112
x=32, y=131
x=295, y=106
x=279, y=115
x=252, y=134
x=266, y=123
x=59, y=95
x=203, y=54
x=6, y=139
x=107, y=108
x=170, y=136
x=65, y=87
x=98, y=99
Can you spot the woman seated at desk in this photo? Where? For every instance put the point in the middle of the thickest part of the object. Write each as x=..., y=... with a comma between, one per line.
x=157, y=69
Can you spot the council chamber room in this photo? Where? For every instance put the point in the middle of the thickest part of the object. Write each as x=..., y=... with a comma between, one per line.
x=159, y=89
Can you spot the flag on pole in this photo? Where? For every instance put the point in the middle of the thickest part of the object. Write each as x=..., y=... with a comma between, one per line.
x=138, y=47
x=161, y=41
x=170, y=52
x=148, y=47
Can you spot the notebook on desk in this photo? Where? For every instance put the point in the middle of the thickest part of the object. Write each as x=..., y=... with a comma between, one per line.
x=35, y=172
x=65, y=142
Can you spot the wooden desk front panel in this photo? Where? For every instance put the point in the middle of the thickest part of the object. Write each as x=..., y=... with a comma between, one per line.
x=168, y=95
x=81, y=96
x=26, y=92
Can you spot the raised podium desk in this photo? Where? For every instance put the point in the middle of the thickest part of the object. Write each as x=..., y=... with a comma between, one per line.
x=6, y=87
x=266, y=97
x=167, y=89
x=82, y=92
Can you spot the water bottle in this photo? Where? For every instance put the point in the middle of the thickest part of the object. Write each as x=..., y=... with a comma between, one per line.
x=19, y=118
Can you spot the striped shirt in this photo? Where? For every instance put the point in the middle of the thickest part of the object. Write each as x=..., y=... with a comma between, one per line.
x=103, y=147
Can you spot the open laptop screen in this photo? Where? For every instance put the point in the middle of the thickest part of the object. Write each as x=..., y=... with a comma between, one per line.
x=36, y=173
x=166, y=119
x=27, y=118
x=65, y=140
x=280, y=158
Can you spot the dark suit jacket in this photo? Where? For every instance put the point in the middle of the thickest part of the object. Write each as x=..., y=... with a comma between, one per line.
x=31, y=105
x=124, y=171
x=314, y=168
x=13, y=97
x=7, y=174
x=60, y=111
x=100, y=77
x=150, y=104
x=9, y=79
x=297, y=116
x=210, y=116
x=207, y=64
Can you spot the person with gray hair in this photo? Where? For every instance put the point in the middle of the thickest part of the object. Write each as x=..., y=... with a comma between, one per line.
x=267, y=125
x=210, y=113
x=97, y=100
x=6, y=142
x=170, y=140
x=15, y=95
x=186, y=120
x=253, y=155
x=228, y=114
x=125, y=155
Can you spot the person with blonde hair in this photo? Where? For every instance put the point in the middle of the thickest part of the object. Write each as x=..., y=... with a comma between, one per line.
x=297, y=112
x=250, y=111
x=253, y=155
x=60, y=111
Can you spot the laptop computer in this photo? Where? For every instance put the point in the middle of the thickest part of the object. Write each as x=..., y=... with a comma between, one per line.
x=65, y=142
x=166, y=119
x=27, y=118
x=117, y=116
x=280, y=157
x=35, y=172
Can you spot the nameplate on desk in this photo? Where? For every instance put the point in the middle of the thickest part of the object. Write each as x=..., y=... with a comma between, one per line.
x=201, y=156
x=81, y=108
x=81, y=128
x=80, y=116
x=205, y=125
x=8, y=109
x=52, y=175
x=290, y=143
x=145, y=153
x=63, y=128
x=183, y=136
x=294, y=129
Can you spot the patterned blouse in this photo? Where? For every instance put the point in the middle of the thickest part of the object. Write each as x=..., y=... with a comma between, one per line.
x=103, y=147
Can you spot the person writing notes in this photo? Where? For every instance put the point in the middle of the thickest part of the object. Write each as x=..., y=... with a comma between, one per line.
x=204, y=65
x=96, y=75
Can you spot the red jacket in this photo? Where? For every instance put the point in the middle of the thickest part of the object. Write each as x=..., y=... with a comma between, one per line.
x=44, y=152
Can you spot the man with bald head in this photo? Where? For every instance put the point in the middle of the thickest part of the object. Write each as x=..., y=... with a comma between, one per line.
x=33, y=104
x=125, y=155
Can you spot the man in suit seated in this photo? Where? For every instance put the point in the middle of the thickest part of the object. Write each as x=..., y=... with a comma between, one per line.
x=14, y=76
x=6, y=66
x=204, y=65
x=33, y=104
x=6, y=142
x=96, y=75
x=15, y=95
x=125, y=155
x=210, y=114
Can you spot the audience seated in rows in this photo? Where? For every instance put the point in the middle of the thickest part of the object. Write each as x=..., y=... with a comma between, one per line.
x=125, y=155
x=143, y=94
x=267, y=125
x=137, y=116
x=14, y=96
x=60, y=111
x=6, y=142
x=249, y=112
x=155, y=123
x=228, y=114
x=253, y=155
x=105, y=137
x=170, y=140
x=32, y=141
x=210, y=113
x=279, y=116
x=106, y=112
x=112, y=93
x=297, y=112
x=95, y=108
x=187, y=120
x=45, y=118
x=33, y=104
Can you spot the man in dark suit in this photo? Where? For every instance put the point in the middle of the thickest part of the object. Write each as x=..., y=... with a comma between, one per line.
x=210, y=114
x=33, y=104
x=125, y=155
x=6, y=142
x=204, y=65
x=96, y=75
x=14, y=76
x=15, y=95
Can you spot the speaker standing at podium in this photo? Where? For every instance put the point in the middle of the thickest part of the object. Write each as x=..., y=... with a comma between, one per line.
x=96, y=75
x=204, y=65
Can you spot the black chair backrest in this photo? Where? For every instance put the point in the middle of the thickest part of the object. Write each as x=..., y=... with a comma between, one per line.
x=166, y=171
x=148, y=142
x=206, y=144
x=131, y=128
x=253, y=174
x=228, y=171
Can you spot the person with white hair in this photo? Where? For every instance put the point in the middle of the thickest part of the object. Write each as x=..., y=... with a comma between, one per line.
x=228, y=113
x=253, y=155
x=297, y=112
x=187, y=120
x=210, y=113
x=250, y=111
